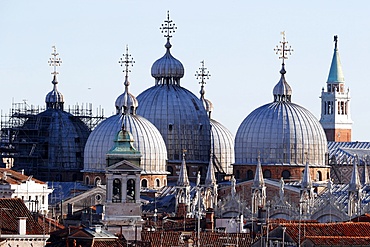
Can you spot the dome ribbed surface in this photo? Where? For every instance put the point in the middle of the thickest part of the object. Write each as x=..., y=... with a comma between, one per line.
x=282, y=132
x=126, y=100
x=147, y=140
x=181, y=119
x=167, y=66
x=222, y=142
x=54, y=97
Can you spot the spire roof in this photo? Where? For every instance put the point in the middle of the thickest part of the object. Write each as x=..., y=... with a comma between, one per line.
x=282, y=91
x=183, y=179
x=54, y=99
x=336, y=72
x=355, y=183
x=210, y=177
x=258, y=178
x=126, y=103
x=124, y=144
x=306, y=179
x=365, y=173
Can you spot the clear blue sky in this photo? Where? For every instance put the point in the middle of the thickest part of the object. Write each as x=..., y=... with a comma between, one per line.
x=235, y=38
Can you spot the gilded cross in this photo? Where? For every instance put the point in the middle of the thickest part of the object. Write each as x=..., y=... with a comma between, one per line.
x=283, y=50
x=168, y=27
x=55, y=61
x=127, y=60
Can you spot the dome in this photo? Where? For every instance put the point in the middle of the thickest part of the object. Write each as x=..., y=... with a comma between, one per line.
x=167, y=67
x=126, y=102
x=53, y=141
x=180, y=118
x=176, y=112
x=54, y=99
x=282, y=132
x=222, y=143
x=147, y=140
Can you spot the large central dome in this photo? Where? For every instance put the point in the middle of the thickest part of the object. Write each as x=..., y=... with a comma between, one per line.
x=176, y=112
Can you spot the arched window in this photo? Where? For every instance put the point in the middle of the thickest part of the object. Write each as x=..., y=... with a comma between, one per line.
x=97, y=181
x=117, y=195
x=170, y=170
x=318, y=176
x=131, y=190
x=250, y=175
x=237, y=174
x=157, y=183
x=144, y=183
x=87, y=180
x=267, y=174
x=285, y=174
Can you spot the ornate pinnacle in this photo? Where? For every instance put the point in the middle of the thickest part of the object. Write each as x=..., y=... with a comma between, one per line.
x=184, y=152
x=168, y=27
x=55, y=61
x=127, y=60
x=283, y=50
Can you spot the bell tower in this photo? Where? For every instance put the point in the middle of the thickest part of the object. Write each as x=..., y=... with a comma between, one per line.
x=335, y=103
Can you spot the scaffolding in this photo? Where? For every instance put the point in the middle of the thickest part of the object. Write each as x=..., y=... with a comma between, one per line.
x=31, y=142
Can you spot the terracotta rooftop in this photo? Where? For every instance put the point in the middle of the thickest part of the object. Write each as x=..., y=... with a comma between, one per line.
x=13, y=177
x=331, y=230
x=338, y=241
x=10, y=210
x=169, y=239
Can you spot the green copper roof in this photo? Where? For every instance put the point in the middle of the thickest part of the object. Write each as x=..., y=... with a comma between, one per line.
x=336, y=72
x=123, y=144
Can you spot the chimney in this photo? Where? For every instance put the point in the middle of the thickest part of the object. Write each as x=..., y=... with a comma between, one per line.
x=22, y=225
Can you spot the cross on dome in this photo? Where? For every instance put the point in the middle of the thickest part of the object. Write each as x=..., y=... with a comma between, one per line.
x=168, y=27
x=283, y=50
x=55, y=61
x=203, y=74
x=127, y=60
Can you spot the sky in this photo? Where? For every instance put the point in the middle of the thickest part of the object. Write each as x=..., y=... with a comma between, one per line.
x=235, y=38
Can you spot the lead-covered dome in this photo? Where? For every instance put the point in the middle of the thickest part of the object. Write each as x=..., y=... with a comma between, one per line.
x=283, y=133
x=176, y=112
x=147, y=140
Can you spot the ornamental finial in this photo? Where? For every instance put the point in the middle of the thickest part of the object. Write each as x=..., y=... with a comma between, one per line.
x=336, y=41
x=55, y=61
x=283, y=50
x=127, y=60
x=203, y=74
x=168, y=27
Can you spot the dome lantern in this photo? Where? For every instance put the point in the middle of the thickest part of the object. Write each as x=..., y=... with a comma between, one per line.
x=167, y=69
x=54, y=99
x=282, y=91
x=126, y=103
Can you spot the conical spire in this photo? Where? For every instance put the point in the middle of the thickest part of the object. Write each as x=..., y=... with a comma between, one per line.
x=355, y=183
x=258, y=181
x=183, y=179
x=54, y=99
x=167, y=69
x=365, y=173
x=306, y=180
x=282, y=91
x=126, y=103
x=204, y=75
x=336, y=72
x=210, y=177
